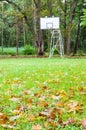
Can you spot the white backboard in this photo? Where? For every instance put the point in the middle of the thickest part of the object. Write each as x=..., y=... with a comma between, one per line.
x=49, y=23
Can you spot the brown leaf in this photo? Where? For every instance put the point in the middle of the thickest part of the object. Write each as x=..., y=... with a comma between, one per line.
x=45, y=113
x=69, y=121
x=21, y=108
x=74, y=106
x=52, y=123
x=42, y=103
x=26, y=92
x=3, y=118
x=60, y=104
x=44, y=87
x=48, y=113
x=52, y=115
x=58, y=110
x=38, y=94
x=83, y=122
x=18, y=110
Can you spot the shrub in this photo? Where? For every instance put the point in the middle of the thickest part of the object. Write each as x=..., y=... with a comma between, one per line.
x=29, y=50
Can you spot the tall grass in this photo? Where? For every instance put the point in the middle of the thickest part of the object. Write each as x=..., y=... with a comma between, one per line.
x=11, y=51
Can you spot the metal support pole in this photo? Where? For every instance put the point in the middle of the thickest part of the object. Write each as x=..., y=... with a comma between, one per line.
x=56, y=43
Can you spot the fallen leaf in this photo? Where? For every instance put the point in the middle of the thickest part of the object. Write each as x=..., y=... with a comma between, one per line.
x=16, y=112
x=45, y=113
x=36, y=127
x=74, y=106
x=55, y=97
x=62, y=93
x=3, y=118
x=29, y=101
x=15, y=99
x=48, y=113
x=31, y=117
x=69, y=121
x=82, y=90
x=60, y=104
x=42, y=103
x=44, y=87
x=13, y=118
x=7, y=126
x=38, y=94
x=83, y=122
x=26, y=92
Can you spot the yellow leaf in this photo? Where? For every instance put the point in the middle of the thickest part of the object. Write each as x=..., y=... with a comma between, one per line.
x=36, y=127
x=31, y=117
x=16, y=112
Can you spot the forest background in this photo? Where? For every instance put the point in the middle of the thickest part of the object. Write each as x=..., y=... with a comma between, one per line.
x=20, y=26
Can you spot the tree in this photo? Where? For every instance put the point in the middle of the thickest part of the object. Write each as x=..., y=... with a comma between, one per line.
x=78, y=13
x=39, y=38
x=83, y=18
x=28, y=26
x=73, y=6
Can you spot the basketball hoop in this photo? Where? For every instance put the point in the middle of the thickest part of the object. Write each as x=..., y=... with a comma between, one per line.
x=53, y=24
x=49, y=23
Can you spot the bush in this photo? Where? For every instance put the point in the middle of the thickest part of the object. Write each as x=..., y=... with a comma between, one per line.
x=29, y=50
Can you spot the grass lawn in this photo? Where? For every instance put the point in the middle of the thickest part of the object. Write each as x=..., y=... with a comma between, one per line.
x=43, y=94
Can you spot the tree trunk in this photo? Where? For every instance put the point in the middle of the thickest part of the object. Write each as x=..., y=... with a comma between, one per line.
x=68, y=40
x=72, y=12
x=17, y=39
x=78, y=30
x=65, y=26
x=77, y=40
x=2, y=41
x=39, y=43
x=37, y=3
x=39, y=38
x=9, y=38
x=24, y=32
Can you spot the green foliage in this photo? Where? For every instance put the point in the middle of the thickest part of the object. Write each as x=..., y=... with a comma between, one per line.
x=29, y=50
x=45, y=13
x=14, y=12
x=83, y=18
x=11, y=51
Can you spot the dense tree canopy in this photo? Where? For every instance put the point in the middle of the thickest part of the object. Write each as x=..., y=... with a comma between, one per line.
x=19, y=23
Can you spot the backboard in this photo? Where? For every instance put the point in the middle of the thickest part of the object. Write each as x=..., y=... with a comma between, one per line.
x=49, y=23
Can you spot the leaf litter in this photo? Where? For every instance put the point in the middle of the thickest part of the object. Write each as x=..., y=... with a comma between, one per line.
x=43, y=106
x=52, y=104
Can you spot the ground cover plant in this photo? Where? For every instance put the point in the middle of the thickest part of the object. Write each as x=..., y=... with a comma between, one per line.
x=12, y=51
x=43, y=94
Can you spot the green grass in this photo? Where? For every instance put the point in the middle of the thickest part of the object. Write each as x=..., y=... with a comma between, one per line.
x=12, y=51
x=32, y=88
